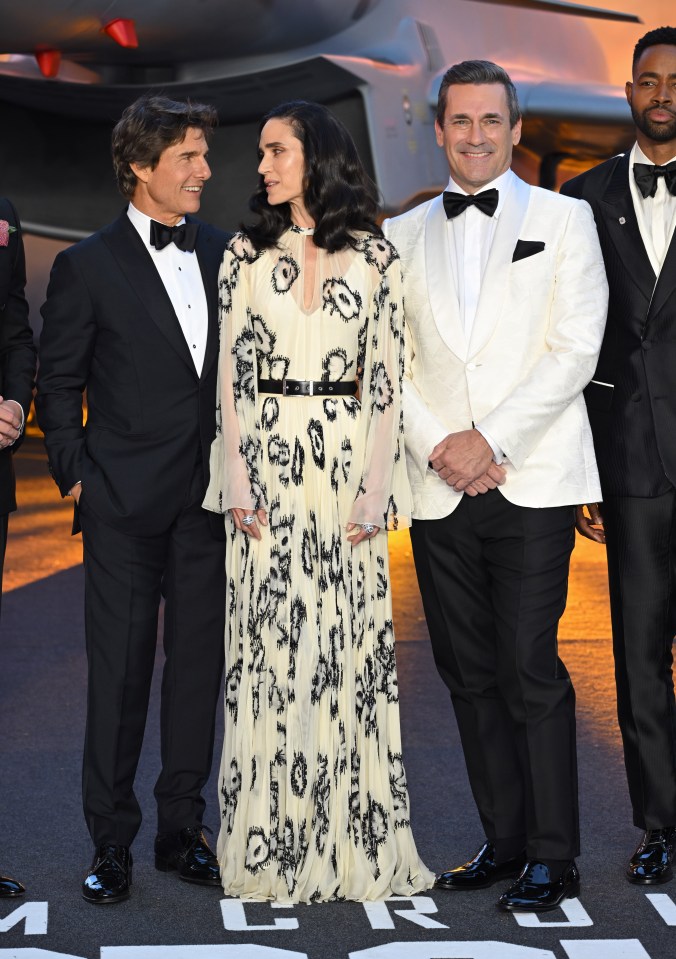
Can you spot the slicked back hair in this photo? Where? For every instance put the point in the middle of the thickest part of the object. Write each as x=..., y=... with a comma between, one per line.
x=654, y=38
x=478, y=71
x=339, y=195
x=147, y=127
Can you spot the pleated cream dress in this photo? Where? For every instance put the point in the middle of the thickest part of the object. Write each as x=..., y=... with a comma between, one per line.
x=313, y=791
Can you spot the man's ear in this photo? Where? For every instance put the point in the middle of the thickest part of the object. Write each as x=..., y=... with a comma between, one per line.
x=140, y=172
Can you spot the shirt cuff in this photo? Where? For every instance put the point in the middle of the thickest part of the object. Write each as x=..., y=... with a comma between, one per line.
x=498, y=454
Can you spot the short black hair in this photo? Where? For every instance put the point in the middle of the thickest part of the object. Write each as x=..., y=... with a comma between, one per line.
x=478, y=71
x=654, y=38
x=147, y=127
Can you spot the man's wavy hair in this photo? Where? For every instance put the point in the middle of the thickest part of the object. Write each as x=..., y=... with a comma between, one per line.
x=339, y=195
x=478, y=71
x=654, y=38
x=147, y=127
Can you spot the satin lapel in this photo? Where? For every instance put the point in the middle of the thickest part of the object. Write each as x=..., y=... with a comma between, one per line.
x=617, y=209
x=136, y=263
x=666, y=284
x=441, y=290
x=495, y=282
x=209, y=258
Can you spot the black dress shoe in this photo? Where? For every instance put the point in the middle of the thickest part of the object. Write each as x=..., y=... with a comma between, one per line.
x=109, y=878
x=479, y=872
x=651, y=863
x=535, y=891
x=10, y=888
x=187, y=851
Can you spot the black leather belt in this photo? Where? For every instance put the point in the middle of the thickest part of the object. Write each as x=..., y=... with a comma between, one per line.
x=308, y=387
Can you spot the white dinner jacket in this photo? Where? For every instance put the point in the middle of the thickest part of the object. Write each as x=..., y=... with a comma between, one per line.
x=533, y=348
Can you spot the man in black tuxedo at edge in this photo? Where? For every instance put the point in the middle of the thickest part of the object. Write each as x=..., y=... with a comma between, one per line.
x=17, y=369
x=131, y=315
x=632, y=409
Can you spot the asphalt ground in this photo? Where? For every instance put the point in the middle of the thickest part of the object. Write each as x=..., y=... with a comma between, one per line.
x=45, y=843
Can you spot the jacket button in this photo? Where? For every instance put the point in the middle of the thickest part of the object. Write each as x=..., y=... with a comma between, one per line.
x=635, y=397
x=646, y=345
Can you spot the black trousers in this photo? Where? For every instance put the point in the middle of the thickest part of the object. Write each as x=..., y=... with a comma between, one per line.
x=641, y=544
x=493, y=578
x=125, y=577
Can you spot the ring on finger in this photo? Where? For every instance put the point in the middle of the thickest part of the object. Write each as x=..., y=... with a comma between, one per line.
x=249, y=519
x=368, y=528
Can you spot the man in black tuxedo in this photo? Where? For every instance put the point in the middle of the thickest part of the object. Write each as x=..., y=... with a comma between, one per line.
x=632, y=408
x=131, y=315
x=17, y=369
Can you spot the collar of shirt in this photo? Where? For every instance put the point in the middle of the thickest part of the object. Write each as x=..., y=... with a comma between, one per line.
x=142, y=223
x=656, y=215
x=502, y=184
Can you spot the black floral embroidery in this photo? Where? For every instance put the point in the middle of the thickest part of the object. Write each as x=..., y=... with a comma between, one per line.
x=284, y=274
x=382, y=390
x=336, y=365
x=242, y=247
x=299, y=775
x=379, y=252
x=257, y=850
x=269, y=413
x=265, y=340
x=338, y=297
x=316, y=433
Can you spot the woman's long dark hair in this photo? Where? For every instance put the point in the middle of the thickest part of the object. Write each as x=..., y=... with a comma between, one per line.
x=339, y=195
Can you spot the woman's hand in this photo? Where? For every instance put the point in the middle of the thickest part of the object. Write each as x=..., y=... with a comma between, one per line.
x=362, y=532
x=251, y=528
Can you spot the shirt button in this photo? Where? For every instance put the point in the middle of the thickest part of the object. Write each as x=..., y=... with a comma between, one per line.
x=635, y=397
x=471, y=366
x=646, y=345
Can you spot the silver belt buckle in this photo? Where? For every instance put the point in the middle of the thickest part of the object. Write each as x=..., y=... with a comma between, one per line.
x=311, y=388
x=283, y=386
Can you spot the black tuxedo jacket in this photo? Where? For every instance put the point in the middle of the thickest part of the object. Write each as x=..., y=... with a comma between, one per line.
x=17, y=350
x=109, y=327
x=632, y=397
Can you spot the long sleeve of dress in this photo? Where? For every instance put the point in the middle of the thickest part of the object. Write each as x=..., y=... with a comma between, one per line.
x=236, y=450
x=380, y=488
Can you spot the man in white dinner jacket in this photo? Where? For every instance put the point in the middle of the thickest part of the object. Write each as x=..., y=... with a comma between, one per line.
x=505, y=297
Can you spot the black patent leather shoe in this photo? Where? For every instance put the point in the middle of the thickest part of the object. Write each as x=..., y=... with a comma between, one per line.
x=109, y=878
x=187, y=851
x=479, y=872
x=535, y=891
x=651, y=864
x=10, y=888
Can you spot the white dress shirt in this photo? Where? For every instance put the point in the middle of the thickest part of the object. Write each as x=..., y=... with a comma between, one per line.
x=180, y=272
x=656, y=215
x=470, y=236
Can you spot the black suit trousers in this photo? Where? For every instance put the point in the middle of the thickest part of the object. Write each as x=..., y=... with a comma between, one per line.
x=493, y=578
x=641, y=544
x=125, y=578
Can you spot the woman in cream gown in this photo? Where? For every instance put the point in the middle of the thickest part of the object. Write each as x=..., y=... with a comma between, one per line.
x=313, y=790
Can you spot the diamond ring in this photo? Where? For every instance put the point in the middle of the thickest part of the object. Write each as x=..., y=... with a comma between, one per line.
x=248, y=520
x=368, y=528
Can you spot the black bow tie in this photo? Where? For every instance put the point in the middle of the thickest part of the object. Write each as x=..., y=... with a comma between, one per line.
x=646, y=177
x=183, y=236
x=457, y=203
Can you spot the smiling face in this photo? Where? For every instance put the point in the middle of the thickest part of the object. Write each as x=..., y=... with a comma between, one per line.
x=476, y=136
x=174, y=187
x=652, y=98
x=282, y=166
